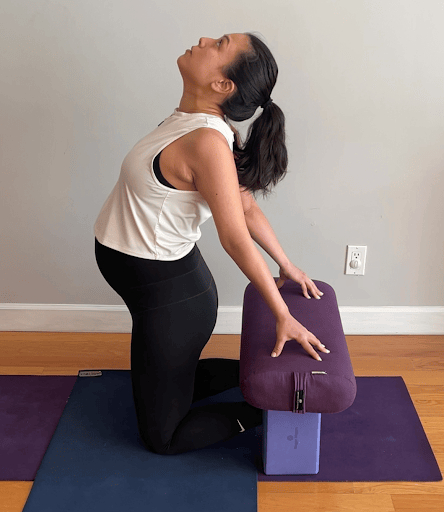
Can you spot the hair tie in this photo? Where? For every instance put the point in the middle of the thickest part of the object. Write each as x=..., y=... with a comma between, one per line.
x=267, y=103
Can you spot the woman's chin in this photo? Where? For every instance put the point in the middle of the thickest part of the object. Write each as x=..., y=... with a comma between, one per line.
x=183, y=55
x=180, y=62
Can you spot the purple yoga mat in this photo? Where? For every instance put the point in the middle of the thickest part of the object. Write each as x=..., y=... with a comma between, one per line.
x=379, y=438
x=30, y=409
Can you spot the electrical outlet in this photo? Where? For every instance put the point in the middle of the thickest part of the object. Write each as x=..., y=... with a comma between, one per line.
x=355, y=260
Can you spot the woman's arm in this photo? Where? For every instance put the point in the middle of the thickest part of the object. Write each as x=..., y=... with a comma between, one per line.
x=215, y=176
x=262, y=233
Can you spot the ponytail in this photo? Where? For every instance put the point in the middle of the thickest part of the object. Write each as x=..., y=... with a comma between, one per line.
x=261, y=160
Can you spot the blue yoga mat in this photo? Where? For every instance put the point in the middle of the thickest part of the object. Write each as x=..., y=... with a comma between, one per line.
x=96, y=461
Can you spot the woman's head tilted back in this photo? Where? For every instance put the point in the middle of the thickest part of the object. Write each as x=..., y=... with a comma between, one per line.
x=262, y=161
x=233, y=76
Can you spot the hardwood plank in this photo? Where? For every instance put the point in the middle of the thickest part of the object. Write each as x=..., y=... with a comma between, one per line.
x=429, y=378
x=13, y=495
x=412, y=503
x=395, y=488
x=222, y=345
x=434, y=429
x=429, y=363
x=22, y=370
x=307, y=487
x=88, y=350
x=424, y=389
x=440, y=459
x=75, y=371
x=429, y=405
x=403, y=345
x=289, y=501
x=392, y=365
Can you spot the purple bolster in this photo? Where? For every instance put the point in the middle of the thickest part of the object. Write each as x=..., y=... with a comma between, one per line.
x=290, y=382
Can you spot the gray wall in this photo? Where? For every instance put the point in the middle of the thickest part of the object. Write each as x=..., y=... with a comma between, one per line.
x=361, y=84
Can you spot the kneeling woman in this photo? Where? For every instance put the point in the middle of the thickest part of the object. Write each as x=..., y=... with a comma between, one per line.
x=190, y=167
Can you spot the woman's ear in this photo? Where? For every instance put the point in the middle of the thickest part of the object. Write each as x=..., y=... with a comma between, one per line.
x=225, y=86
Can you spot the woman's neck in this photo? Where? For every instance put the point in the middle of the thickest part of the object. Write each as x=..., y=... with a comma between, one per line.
x=193, y=105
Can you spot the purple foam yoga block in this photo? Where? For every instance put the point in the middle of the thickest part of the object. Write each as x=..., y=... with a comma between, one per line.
x=291, y=443
x=295, y=381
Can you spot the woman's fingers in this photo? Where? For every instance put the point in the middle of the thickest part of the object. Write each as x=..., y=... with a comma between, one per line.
x=304, y=290
x=311, y=351
x=317, y=294
x=278, y=349
x=306, y=346
x=319, y=345
x=313, y=343
x=318, y=291
x=300, y=277
x=308, y=342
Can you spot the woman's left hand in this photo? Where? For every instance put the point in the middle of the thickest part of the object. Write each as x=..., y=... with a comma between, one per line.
x=294, y=273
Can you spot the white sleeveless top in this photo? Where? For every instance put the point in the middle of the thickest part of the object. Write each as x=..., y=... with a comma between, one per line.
x=144, y=218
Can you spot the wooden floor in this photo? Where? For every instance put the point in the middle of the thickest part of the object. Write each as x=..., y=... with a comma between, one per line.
x=418, y=359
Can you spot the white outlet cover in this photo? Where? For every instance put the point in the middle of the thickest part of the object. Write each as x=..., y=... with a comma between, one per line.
x=358, y=252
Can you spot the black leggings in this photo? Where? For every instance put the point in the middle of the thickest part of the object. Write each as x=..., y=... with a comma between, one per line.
x=173, y=305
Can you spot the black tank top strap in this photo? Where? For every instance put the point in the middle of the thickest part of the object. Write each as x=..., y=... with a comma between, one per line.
x=158, y=172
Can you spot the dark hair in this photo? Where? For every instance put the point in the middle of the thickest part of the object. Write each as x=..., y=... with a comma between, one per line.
x=262, y=160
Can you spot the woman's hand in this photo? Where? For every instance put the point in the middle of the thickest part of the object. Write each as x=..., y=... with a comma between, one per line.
x=292, y=272
x=288, y=328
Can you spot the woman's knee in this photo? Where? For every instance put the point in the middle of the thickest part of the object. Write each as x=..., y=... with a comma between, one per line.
x=159, y=448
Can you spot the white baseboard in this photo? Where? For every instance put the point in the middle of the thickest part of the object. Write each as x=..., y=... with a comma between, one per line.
x=95, y=318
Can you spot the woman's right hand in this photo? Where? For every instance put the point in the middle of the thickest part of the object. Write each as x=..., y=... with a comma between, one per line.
x=288, y=328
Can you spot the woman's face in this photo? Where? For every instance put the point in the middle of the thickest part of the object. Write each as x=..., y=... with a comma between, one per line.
x=203, y=64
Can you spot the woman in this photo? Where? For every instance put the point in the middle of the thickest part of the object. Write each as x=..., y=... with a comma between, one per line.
x=190, y=167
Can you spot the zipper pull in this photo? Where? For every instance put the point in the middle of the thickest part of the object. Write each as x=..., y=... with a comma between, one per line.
x=298, y=400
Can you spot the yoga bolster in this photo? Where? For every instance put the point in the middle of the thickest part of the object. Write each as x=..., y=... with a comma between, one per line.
x=291, y=382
